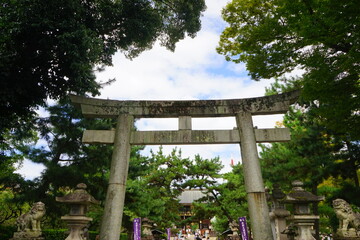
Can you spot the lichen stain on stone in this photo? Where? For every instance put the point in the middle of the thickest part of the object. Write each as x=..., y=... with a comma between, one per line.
x=258, y=197
x=266, y=134
x=205, y=137
x=191, y=107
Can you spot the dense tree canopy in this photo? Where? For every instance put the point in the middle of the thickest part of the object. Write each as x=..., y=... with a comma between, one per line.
x=50, y=48
x=315, y=156
x=320, y=37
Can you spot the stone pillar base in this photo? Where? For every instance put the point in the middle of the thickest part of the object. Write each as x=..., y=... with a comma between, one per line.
x=346, y=238
x=31, y=238
x=148, y=237
x=27, y=235
x=349, y=234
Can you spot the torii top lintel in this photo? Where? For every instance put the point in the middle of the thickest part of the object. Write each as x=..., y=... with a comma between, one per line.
x=103, y=108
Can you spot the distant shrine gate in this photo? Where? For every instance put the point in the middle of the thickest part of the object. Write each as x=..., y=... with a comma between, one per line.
x=245, y=134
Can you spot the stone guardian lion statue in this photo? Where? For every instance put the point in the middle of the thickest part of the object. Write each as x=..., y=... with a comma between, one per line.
x=31, y=220
x=347, y=218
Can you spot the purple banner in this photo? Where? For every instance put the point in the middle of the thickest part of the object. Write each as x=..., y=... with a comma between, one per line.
x=243, y=228
x=168, y=231
x=137, y=229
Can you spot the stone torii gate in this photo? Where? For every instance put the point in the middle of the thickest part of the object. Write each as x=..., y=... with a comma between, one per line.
x=245, y=134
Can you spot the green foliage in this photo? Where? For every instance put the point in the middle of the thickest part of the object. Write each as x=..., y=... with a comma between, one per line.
x=10, y=209
x=309, y=156
x=233, y=197
x=7, y=232
x=204, y=174
x=69, y=39
x=64, y=155
x=329, y=152
x=153, y=186
x=319, y=37
x=276, y=39
x=154, y=191
x=332, y=189
x=314, y=156
x=225, y=201
x=220, y=224
x=12, y=144
x=55, y=234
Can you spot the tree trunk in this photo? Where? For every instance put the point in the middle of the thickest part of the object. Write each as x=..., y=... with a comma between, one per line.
x=352, y=163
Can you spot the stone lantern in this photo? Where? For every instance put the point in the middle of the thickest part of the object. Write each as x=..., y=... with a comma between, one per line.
x=147, y=225
x=79, y=201
x=302, y=218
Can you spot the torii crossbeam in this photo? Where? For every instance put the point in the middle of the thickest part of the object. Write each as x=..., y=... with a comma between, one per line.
x=124, y=136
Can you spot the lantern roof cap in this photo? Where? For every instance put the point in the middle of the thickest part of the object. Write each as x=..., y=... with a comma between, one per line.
x=79, y=196
x=299, y=195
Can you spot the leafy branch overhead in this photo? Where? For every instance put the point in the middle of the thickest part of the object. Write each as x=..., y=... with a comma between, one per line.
x=317, y=38
x=51, y=48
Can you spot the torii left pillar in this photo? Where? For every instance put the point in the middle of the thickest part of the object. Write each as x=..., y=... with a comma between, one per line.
x=254, y=186
x=115, y=197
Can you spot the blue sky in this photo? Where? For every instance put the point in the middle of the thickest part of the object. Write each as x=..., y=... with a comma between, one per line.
x=193, y=71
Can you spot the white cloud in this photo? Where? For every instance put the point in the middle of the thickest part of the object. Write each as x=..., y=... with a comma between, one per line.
x=30, y=170
x=186, y=73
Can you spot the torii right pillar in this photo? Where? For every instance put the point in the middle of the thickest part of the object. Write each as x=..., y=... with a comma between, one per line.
x=258, y=208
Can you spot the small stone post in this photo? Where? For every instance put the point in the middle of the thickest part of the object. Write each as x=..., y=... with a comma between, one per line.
x=278, y=213
x=79, y=201
x=234, y=227
x=147, y=225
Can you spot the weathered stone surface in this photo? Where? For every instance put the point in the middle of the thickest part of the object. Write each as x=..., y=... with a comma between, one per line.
x=303, y=220
x=29, y=235
x=275, y=104
x=299, y=195
x=29, y=223
x=254, y=185
x=147, y=225
x=349, y=221
x=186, y=136
x=115, y=196
x=79, y=196
x=76, y=220
x=278, y=212
x=336, y=237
